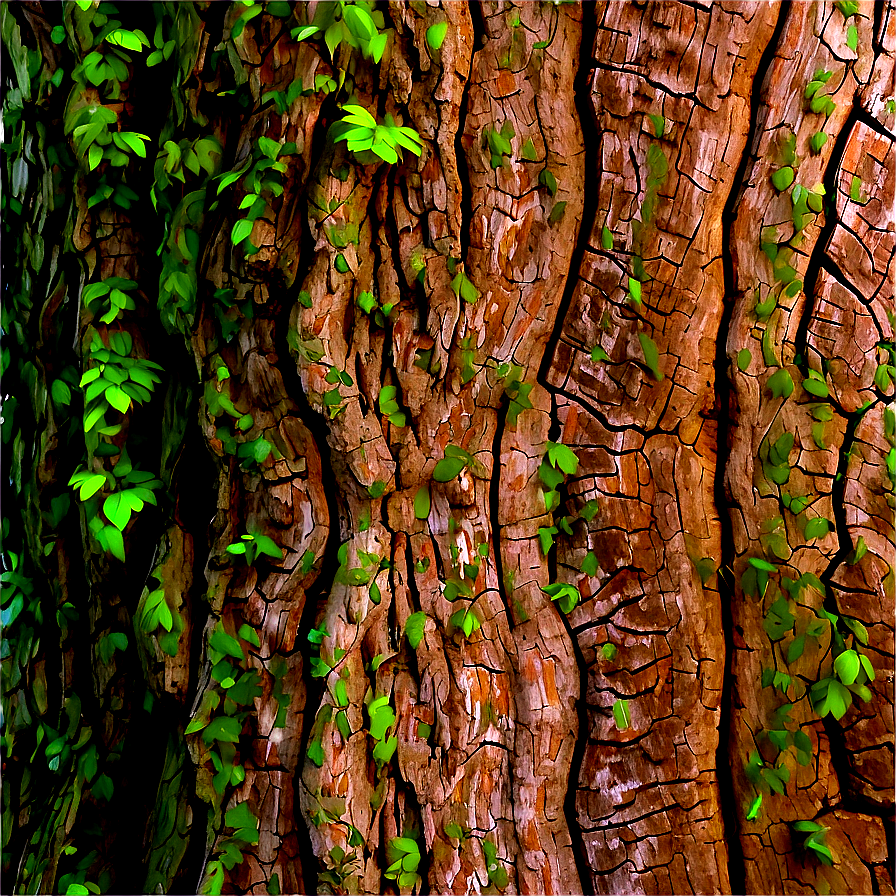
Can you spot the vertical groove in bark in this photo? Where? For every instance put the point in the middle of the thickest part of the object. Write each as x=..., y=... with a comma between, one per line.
x=736, y=865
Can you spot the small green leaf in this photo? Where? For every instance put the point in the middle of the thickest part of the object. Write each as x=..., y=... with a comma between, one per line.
x=448, y=468
x=781, y=384
x=606, y=238
x=634, y=290
x=817, y=141
x=622, y=714
x=744, y=356
x=817, y=528
x=609, y=651
x=241, y=230
x=590, y=564
x=422, y=503
x=755, y=806
x=783, y=178
x=547, y=179
x=435, y=35
x=414, y=627
x=852, y=38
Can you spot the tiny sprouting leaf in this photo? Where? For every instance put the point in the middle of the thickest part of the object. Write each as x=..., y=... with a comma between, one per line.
x=634, y=290
x=606, y=238
x=755, y=806
x=744, y=356
x=852, y=38
x=609, y=651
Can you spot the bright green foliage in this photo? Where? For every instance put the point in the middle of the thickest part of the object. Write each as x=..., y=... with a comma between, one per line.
x=465, y=620
x=435, y=35
x=403, y=857
x=622, y=714
x=364, y=135
x=382, y=719
x=389, y=406
x=562, y=458
x=817, y=141
x=356, y=25
x=368, y=303
x=463, y=287
x=108, y=299
x=414, y=628
x=114, y=381
x=780, y=384
x=814, y=842
x=566, y=595
x=499, y=143
x=783, y=178
x=254, y=545
x=651, y=355
x=422, y=503
x=451, y=464
x=494, y=867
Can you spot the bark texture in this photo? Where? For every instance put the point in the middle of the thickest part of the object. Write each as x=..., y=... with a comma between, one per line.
x=619, y=281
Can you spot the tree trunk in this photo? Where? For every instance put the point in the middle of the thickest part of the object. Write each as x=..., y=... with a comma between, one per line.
x=524, y=507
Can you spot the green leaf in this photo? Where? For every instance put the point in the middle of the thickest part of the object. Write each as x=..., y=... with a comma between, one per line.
x=816, y=387
x=448, y=468
x=114, y=541
x=609, y=651
x=651, y=355
x=598, y=354
x=414, y=627
x=589, y=564
x=755, y=806
x=846, y=666
x=783, y=178
x=226, y=644
x=422, y=503
x=563, y=458
x=547, y=179
x=744, y=356
x=634, y=290
x=241, y=230
x=606, y=238
x=817, y=528
x=435, y=34
x=817, y=141
x=117, y=510
x=781, y=384
x=223, y=728
x=622, y=714
x=852, y=38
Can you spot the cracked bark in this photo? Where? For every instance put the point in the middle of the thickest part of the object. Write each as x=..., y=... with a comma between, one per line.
x=523, y=749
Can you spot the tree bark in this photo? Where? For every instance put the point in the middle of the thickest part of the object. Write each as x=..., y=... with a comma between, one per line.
x=594, y=249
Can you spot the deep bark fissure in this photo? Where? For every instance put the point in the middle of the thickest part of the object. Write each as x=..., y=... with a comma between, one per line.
x=723, y=499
